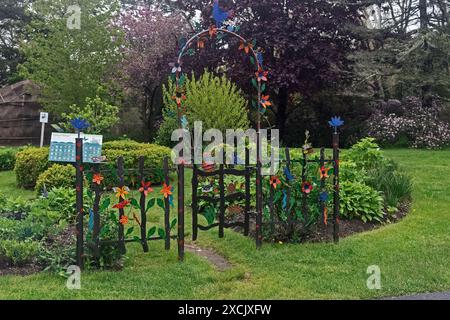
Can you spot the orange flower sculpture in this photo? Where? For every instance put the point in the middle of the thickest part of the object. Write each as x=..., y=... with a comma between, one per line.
x=166, y=190
x=97, y=178
x=121, y=192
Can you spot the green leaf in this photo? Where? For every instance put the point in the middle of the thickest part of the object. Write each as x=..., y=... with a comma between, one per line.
x=173, y=223
x=263, y=87
x=135, y=203
x=105, y=204
x=182, y=80
x=161, y=233
x=210, y=215
x=129, y=231
x=150, y=204
x=136, y=238
x=252, y=60
x=254, y=83
x=161, y=203
x=151, y=232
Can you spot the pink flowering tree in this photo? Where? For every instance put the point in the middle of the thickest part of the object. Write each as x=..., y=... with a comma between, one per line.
x=151, y=43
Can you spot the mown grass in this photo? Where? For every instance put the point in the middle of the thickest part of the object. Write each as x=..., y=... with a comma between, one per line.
x=8, y=186
x=413, y=257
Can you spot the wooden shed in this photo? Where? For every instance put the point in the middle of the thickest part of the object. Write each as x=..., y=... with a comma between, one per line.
x=19, y=114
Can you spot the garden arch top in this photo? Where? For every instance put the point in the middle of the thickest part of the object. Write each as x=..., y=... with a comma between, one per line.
x=259, y=83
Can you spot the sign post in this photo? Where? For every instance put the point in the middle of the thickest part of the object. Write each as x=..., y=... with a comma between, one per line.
x=43, y=118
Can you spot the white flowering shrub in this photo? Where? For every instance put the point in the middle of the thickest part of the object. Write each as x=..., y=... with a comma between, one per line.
x=422, y=126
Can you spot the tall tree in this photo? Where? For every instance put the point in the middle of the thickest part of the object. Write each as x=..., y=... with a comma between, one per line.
x=305, y=44
x=71, y=50
x=150, y=43
x=12, y=23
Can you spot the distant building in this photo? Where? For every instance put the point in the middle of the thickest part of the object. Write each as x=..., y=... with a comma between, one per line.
x=19, y=114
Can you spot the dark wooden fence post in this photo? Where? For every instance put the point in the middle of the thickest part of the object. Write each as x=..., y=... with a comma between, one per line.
x=95, y=210
x=247, y=192
x=142, y=204
x=79, y=201
x=121, y=236
x=322, y=203
x=181, y=212
x=258, y=233
x=194, y=203
x=271, y=194
x=167, y=206
x=304, y=194
x=336, y=186
x=290, y=219
x=222, y=202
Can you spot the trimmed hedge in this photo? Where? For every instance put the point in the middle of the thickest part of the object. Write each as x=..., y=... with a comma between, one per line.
x=131, y=151
x=8, y=158
x=32, y=162
x=56, y=176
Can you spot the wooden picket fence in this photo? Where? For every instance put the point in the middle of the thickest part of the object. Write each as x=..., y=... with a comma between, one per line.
x=95, y=242
x=248, y=172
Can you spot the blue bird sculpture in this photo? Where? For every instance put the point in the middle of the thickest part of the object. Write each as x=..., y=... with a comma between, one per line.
x=220, y=15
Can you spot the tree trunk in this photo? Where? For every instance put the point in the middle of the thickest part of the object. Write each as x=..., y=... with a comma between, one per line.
x=423, y=15
x=283, y=97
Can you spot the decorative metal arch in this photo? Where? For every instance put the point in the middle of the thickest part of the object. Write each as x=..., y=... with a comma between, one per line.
x=262, y=103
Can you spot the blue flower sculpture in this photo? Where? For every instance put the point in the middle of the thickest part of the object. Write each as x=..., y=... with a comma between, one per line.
x=79, y=124
x=336, y=122
x=324, y=196
x=220, y=15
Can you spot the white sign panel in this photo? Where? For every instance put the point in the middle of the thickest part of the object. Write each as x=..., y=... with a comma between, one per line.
x=62, y=147
x=44, y=117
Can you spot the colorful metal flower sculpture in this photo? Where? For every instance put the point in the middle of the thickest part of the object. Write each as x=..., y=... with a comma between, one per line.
x=123, y=220
x=307, y=187
x=122, y=205
x=145, y=188
x=176, y=67
x=323, y=196
x=274, y=181
x=336, y=122
x=246, y=46
x=97, y=178
x=166, y=190
x=324, y=172
x=121, y=192
x=262, y=75
x=79, y=125
x=220, y=15
x=265, y=101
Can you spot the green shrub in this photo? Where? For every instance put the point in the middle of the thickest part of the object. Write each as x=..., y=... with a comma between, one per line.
x=131, y=151
x=7, y=158
x=14, y=208
x=57, y=176
x=18, y=253
x=365, y=154
x=360, y=201
x=20, y=230
x=215, y=101
x=30, y=163
x=395, y=186
x=59, y=205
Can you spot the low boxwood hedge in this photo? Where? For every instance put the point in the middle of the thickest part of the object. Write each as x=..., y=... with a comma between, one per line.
x=32, y=162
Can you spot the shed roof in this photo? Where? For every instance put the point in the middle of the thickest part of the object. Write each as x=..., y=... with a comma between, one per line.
x=23, y=91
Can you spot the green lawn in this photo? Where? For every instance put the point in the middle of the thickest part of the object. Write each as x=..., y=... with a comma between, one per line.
x=8, y=186
x=413, y=256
